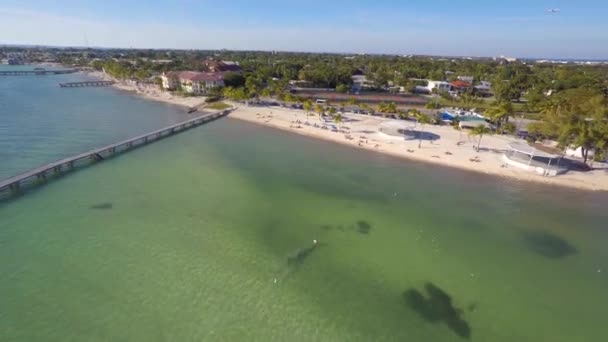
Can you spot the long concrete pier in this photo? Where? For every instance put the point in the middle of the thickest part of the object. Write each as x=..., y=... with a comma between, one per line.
x=36, y=72
x=18, y=184
x=86, y=84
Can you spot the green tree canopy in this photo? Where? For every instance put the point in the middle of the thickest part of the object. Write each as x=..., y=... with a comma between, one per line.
x=576, y=118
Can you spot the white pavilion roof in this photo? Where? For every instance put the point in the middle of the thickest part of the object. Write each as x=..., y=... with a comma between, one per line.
x=531, y=151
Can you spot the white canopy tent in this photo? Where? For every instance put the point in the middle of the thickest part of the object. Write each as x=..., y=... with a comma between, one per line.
x=533, y=159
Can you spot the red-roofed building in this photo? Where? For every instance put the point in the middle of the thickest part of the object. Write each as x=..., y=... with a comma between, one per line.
x=221, y=66
x=193, y=82
x=461, y=86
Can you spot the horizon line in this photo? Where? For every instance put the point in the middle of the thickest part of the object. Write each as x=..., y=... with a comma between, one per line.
x=300, y=52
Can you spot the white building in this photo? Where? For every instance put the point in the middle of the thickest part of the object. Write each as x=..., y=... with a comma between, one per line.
x=468, y=79
x=439, y=85
x=360, y=82
x=198, y=83
x=484, y=88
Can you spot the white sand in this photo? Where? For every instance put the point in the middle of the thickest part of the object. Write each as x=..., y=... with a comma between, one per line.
x=443, y=151
x=151, y=92
x=364, y=132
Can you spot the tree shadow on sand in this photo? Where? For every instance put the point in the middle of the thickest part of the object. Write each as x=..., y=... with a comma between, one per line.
x=549, y=245
x=438, y=307
x=424, y=135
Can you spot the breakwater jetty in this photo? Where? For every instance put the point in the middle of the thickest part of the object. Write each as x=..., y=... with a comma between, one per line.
x=18, y=184
x=86, y=84
x=36, y=72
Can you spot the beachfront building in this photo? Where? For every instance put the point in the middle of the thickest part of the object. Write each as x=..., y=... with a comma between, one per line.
x=465, y=118
x=472, y=123
x=193, y=82
x=545, y=161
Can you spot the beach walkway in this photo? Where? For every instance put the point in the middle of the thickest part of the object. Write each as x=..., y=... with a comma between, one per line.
x=86, y=84
x=16, y=185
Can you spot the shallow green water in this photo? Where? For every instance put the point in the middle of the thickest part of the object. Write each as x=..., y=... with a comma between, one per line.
x=208, y=236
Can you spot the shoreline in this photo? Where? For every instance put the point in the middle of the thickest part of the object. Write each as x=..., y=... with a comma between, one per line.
x=444, y=152
x=431, y=153
x=150, y=92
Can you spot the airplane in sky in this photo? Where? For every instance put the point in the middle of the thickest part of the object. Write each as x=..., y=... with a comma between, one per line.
x=553, y=10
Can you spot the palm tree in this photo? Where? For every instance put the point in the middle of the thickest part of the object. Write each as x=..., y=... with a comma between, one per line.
x=480, y=131
x=509, y=127
x=320, y=110
x=332, y=111
x=382, y=107
x=401, y=114
x=338, y=120
x=500, y=112
x=364, y=106
x=422, y=120
x=414, y=113
x=307, y=107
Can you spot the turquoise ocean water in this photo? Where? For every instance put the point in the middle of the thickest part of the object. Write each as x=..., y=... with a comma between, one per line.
x=208, y=235
x=41, y=122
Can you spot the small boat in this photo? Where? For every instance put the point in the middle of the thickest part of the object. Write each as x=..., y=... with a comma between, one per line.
x=192, y=110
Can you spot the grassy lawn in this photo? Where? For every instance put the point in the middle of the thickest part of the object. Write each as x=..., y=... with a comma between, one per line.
x=218, y=106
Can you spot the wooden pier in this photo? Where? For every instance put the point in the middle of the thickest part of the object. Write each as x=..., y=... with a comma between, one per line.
x=36, y=72
x=18, y=184
x=86, y=84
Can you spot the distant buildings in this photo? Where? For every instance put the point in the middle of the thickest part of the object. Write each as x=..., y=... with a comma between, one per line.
x=438, y=85
x=212, y=65
x=361, y=83
x=200, y=83
x=13, y=59
x=461, y=86
x=484, y=89
x=193, y=82
x=300, y=84
x=505, y=59
x=468, y=79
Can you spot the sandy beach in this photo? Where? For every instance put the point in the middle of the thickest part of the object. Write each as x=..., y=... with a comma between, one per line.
x=150, y=92
x=361, y=131
x=451, y=148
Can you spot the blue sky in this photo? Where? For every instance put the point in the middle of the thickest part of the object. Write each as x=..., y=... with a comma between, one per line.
x=465, y=27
